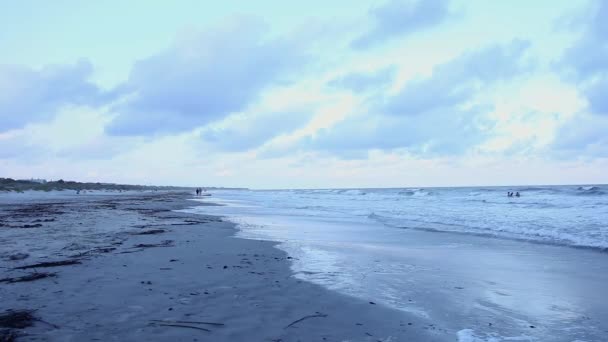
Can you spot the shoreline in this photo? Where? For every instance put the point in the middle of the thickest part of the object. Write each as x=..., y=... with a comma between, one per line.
x=196, y=269
x=477, y=288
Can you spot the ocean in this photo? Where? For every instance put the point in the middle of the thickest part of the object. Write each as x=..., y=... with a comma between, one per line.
x=478, y=264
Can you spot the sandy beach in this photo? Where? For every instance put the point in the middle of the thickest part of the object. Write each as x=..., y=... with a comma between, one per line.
x=375, y=171
x=135, y=269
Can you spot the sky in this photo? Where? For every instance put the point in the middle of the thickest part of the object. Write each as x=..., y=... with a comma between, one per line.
x=315, y=94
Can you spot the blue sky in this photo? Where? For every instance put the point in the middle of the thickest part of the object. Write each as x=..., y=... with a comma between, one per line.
x=268, y=94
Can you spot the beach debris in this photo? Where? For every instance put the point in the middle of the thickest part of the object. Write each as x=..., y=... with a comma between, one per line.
x=18, y=256
x=318, y=314
x=184, y=324
x=187, y=322
x=17, y=319
x=49, y=264
x=29, y=277
x=185, y=223
x=35, y=225
x=7, y=335
x=165, y=243
x=150, y=232
x=45, y=220
x=181, y=326
x=141, y=225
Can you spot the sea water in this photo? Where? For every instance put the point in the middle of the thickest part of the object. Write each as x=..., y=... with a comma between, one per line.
x=477, y=263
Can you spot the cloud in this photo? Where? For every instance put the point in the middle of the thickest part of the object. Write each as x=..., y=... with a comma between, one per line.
x=401, y=17
x=439, y=132
x=585, y=65
x=74, y=133
x=362, y=81
x=203, y=78
x=30, y=95
x=456, y=81
x=583, y=135
x=15, y=145
x=437, y=115
x=245, y=132
x=586, y=60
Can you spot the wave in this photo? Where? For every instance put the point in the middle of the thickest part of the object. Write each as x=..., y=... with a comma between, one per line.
x=331, y=191
x=540, y=188
x=533, y=235
x=590, y=191
x=581, y=190
x=575, y=242
x=353, y=192
x=415, y=192
x=374, y=216
x=526, y=191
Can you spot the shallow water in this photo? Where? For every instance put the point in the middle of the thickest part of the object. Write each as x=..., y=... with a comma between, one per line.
x=479, y=265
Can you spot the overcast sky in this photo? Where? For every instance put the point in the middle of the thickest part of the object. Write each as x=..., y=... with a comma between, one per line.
x=269, y=94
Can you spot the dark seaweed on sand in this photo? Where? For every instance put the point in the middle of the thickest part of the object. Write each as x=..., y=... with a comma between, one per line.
x=166, y=243
x=7, y=335
x=17, y=319
x=29, y=277
x=49, y=264
x=150, y=232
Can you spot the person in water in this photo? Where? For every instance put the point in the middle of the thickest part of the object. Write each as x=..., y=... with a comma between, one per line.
x=517, y=194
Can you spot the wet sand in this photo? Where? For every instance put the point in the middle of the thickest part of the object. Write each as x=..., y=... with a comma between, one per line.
x=472, y=288
x=131, y=286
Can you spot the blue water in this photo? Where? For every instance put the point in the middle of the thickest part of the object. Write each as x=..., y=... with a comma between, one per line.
x=564, y=215
x=478, y=265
